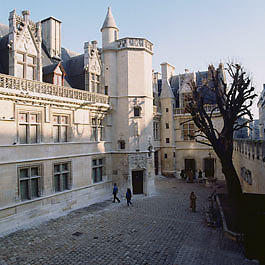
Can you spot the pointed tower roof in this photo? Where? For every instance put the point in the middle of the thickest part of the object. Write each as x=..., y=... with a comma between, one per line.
x=166, y=90
x=109, y=21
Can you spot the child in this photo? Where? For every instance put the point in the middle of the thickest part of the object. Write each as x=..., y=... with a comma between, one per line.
x=128, y=196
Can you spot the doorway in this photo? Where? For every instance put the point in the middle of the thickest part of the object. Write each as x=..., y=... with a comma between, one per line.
x=138, y=182
x=190, y=165
x=209, y=167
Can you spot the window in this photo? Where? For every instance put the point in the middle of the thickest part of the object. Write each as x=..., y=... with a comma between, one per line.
x=166, y=109
x=28, y=127
x=95, y=83
x=60, y=128
x=137, y=111
x=174, y=154
x=121, y=144
x=106, y=90
x=26, y=66
x=101, y=130
x=167, y=140
x=97, y=169
x=98, y=130
x=29, y=182
x=184, y=99
x=58, y=80
x=188, y=131
x=167, y=125
x=165, y=155
x=62, y=176
x=156, y=130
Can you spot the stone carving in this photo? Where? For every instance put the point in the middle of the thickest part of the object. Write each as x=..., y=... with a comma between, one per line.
x=138, y=161
x=246, y=175
x=17, y=85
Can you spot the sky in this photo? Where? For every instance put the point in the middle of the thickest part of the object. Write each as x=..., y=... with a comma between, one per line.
x=189, y=34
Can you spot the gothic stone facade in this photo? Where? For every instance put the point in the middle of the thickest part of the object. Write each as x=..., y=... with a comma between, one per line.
x=71, y=124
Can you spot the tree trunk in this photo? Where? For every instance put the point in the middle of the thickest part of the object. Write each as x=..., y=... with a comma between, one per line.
x=231, y=177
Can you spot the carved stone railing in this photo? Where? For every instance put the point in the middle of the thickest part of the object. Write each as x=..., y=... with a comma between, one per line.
x=136, y=43
x=24, y=86
x=250, y=149
x=208, y=108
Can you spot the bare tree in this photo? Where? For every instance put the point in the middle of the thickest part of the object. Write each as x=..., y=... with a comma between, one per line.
x=233, y=102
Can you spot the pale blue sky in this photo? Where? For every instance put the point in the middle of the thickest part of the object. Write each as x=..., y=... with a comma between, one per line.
x=186, y=33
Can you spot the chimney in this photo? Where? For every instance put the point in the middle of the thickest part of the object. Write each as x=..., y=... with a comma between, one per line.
x=167, y=70
x=26, y=14
x=51, y=36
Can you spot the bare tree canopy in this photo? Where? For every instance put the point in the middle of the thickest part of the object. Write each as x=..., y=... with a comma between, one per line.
x=232, y=101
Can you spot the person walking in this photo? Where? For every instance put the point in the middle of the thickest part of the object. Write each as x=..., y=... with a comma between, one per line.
x=193, y=201
x=128, y=196
x=115, y=191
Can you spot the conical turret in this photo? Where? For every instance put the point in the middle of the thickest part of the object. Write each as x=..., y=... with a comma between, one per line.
x=109, y=29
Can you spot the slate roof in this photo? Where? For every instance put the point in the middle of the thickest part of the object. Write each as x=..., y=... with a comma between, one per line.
x=4, y=30
x=74, y=68
x=4, y=60
x=208, y=95
x=49, y=69
x=109, y=21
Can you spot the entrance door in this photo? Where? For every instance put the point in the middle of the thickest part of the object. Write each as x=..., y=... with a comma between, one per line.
x=138, y=182
x=189, y=165
x=156, y=162
x=209, y=167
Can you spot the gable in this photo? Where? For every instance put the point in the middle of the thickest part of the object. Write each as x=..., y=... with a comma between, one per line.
x=25, y=42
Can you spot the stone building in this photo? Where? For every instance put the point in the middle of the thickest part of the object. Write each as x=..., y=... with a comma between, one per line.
x=71, y=124
x=174, y=143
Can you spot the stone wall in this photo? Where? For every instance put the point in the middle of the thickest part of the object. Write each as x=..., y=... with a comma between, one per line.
x=249, y=161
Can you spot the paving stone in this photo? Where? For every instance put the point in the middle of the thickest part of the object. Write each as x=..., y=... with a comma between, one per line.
x=159, y=229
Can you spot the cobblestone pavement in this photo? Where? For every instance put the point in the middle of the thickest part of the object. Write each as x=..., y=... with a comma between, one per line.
x=159, y=229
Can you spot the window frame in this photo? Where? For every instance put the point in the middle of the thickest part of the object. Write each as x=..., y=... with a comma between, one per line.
x=97, y=129
x=97, y=167
x=188, y=131
x=61, y=172
x=156, y=130
x=61, y=125
x=28, y=125
x=137, y=111
x=27, y=64
x=121, y=144
x=29, y=180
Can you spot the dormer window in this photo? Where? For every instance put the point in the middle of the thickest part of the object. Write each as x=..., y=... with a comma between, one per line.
x=137, y=111
x=54, y=74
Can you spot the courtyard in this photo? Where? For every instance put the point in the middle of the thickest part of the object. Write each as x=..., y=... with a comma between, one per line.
x=159, y=229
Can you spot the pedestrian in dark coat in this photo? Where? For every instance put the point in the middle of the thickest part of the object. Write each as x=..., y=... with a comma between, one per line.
x=128, y=196
x=115, y=191
x=193, y=201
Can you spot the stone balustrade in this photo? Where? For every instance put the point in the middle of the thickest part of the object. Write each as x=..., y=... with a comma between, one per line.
x=28, y=86
x=136, y=43
x=254, y=150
